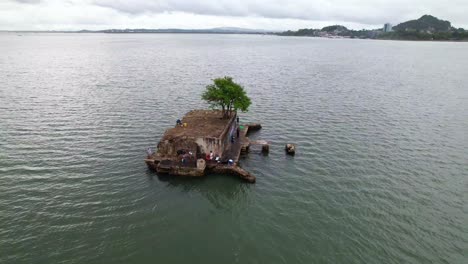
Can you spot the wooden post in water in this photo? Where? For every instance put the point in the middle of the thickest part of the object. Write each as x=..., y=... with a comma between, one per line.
x=265, y=149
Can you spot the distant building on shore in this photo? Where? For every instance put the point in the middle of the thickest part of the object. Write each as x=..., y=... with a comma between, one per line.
x=387, y=27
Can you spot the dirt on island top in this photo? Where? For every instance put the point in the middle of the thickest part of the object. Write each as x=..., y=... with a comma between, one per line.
x=199, y=123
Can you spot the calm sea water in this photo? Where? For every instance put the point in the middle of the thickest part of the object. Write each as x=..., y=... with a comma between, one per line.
x=380, y=175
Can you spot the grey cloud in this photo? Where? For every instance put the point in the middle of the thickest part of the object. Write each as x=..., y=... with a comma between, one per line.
x=272, y=14
x=357, y=11
x=27, y=1
x=269, y=9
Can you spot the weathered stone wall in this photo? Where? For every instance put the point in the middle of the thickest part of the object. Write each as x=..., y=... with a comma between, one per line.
x=210, y=144
x=225, y=137
x=217, y=145
x=168, y=148
x=188, y=171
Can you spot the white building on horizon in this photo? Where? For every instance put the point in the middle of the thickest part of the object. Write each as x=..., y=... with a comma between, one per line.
x=387, y=27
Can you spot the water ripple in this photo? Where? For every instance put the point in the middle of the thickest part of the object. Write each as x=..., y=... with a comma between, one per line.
x=379, y=175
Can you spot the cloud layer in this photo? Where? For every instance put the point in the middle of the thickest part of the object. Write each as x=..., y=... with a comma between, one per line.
x=267, y=14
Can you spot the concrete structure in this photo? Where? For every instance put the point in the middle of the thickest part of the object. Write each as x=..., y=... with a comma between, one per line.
x=186, y=149
x=387, y=27
x=202, y=131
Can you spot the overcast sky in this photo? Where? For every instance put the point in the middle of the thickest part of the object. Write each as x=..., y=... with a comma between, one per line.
x=255, y=14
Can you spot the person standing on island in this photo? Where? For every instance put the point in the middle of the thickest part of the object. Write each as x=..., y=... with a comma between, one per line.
x=149, y=153
x=237, y=119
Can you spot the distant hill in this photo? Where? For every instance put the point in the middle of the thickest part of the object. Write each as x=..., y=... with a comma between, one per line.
x=335, y=28
x=221, y=30
x=237, y=29
x=426, y=27
x=335, y=31
x=426, y=23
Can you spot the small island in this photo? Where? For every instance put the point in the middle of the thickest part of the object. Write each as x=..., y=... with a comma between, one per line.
x=207, y=141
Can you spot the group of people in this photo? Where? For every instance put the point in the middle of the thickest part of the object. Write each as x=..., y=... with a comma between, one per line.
x=212, y=156
x=180, y=124
x=185, y=157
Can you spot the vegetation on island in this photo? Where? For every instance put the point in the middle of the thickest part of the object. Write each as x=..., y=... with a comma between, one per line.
x=227, y=95
x=425, y=28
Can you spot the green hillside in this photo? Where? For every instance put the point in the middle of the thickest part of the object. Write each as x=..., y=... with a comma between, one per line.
x=426, y=27
x=426, y=23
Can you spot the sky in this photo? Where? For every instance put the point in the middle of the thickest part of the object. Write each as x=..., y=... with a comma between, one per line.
x=201, y=14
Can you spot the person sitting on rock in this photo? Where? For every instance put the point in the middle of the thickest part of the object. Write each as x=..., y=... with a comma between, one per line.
x=179, y=122
x=211, y=155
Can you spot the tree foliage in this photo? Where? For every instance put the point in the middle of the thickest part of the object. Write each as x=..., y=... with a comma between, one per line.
x=227, y=95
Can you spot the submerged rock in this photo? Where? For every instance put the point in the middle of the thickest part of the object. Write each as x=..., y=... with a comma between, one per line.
x=290, y=149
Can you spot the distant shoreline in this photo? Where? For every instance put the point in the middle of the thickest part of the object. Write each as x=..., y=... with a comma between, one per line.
x=413, y=40
x=152, y=31
x=219, y=33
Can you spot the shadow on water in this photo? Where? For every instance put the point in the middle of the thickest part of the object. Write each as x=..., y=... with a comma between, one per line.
x=222, y=191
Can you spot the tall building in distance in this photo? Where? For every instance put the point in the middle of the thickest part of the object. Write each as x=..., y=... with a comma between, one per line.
x=387, y=27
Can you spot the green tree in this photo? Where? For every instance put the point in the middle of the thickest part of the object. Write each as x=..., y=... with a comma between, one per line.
x=228, y=95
